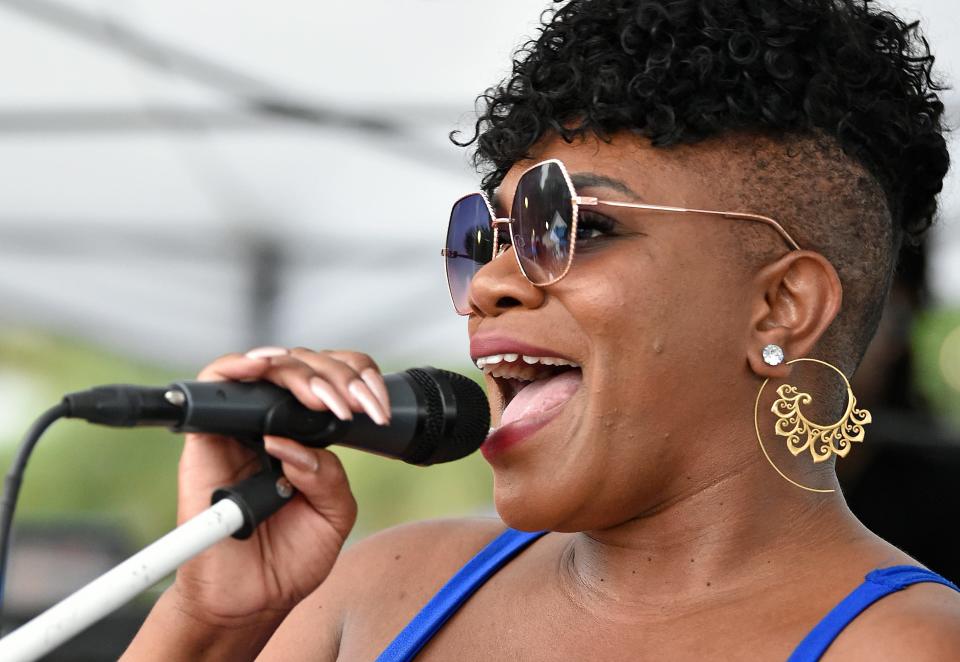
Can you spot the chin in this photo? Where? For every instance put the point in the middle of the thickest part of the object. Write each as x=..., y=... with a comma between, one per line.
x=565, y=503
x=531, y=506
x=522, y=506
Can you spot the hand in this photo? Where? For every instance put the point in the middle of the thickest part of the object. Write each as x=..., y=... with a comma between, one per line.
x=243, y=583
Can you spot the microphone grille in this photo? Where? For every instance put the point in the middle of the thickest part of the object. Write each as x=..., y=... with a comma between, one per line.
x=457, y=420
x=472, y=424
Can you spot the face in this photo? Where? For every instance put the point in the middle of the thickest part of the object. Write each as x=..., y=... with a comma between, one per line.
x=655, y=311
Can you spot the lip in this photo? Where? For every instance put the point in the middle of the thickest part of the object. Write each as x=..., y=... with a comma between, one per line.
x=487, y=345
x=508, y=436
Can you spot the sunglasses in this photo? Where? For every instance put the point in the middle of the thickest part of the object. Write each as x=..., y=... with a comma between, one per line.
x=542, y=228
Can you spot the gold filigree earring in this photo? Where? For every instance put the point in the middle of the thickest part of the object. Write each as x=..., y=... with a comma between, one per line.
x=802, y=434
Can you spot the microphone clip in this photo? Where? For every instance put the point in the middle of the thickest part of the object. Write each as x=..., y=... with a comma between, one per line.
x=260, y=495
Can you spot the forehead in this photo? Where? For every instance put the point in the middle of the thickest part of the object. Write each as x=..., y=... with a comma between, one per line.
x=628, y=166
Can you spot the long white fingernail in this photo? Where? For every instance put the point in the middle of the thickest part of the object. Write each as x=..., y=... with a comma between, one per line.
x=330, y=398
x=369, y=402
x=374, y=380
x=267, y=352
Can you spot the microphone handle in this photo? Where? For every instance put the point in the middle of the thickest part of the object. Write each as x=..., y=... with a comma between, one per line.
x=252, y=409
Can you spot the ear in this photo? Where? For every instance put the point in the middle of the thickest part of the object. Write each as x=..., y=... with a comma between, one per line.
x=796, y=299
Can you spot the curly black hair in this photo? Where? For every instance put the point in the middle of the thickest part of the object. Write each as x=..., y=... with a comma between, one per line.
x=682, y=71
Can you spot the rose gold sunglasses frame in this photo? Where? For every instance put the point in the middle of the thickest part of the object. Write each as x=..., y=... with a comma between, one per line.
x=589, y=201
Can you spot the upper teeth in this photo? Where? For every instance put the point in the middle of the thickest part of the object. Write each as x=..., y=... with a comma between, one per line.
x=486, y=361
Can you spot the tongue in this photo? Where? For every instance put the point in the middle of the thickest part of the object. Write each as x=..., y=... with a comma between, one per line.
x=541, y=395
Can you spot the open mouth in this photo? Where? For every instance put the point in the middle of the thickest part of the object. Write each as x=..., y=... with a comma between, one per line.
x=530, y=386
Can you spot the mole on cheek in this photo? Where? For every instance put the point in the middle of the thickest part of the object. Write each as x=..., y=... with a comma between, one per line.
x=658, y=346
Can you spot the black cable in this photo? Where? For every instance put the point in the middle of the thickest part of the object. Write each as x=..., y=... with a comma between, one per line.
x=11, y=486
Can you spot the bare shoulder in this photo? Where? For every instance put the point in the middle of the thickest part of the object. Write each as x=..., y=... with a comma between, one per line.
x=402, y=567
x=377, y=585
x=419, y=547
x=920, y=623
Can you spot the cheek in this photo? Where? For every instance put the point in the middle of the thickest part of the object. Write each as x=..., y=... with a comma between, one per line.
x=698, y=299
x=627, y=310
x=617, y=299
x=649, y=332
x=629, y=314
x=654, y=327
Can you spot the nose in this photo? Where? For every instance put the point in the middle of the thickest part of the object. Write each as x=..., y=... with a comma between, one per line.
x=500, y=286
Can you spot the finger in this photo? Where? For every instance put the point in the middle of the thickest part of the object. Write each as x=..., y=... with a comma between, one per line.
x=308, y=387
x=268, y=352
x=289, y=452
x=329, y=396
x=374, y=381
x=236, y=367
x=278, y=366
x=369, y=372
x=347, y=381
x=371, y=405
x=356, y=360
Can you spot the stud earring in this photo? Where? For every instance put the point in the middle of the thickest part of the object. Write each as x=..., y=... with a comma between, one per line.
x=773, y=355
x=804, y=435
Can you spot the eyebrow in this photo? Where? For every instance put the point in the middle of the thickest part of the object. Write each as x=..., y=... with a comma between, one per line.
x=591, y=180
x=582, y=180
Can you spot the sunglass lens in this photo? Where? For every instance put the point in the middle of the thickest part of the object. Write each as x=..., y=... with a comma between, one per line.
x=469, y=247
x=542, y=223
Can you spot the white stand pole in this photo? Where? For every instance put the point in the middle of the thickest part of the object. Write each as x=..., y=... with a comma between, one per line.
x=118, y=586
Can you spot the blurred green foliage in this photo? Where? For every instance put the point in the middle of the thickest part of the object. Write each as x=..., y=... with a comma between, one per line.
x=936, y=343
x=127, y=477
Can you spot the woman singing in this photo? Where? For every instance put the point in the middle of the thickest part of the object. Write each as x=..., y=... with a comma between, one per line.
x=689, y=220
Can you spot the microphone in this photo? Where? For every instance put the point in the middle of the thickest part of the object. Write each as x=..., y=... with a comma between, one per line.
x=436, y=415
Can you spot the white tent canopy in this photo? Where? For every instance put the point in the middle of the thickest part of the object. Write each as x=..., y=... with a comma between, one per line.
x=180, y=179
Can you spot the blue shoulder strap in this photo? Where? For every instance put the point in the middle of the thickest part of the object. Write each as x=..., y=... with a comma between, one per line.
x=455, y=592
x=876, y=585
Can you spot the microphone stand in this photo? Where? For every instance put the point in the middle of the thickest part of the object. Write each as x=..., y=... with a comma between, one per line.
x=236, y=511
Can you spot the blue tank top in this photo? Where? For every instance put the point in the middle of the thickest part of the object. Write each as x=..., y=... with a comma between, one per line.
x=508, y=544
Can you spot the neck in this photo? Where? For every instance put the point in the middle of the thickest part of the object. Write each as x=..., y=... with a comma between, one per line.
x=744, y=528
